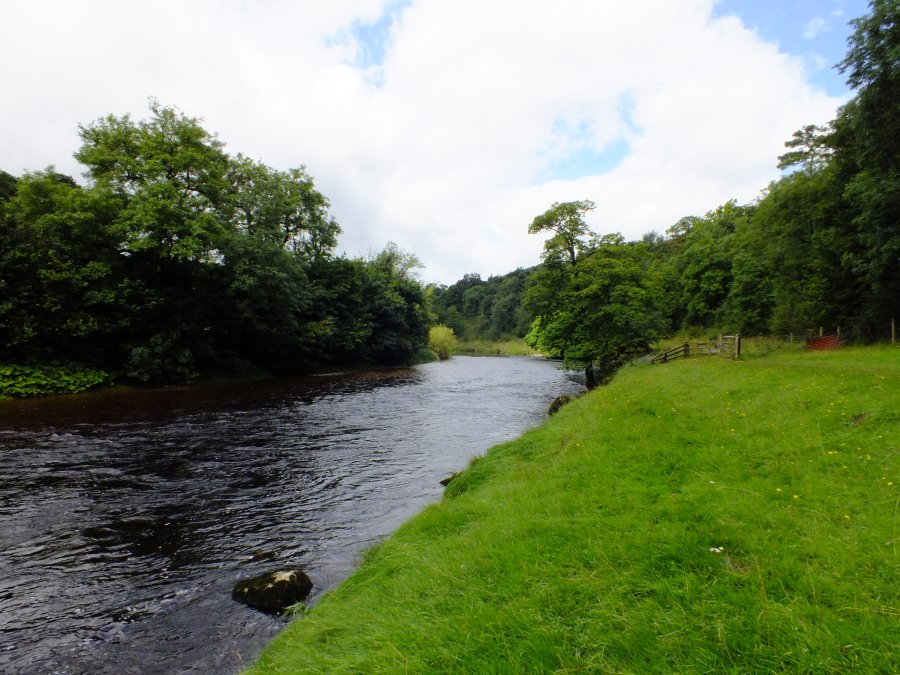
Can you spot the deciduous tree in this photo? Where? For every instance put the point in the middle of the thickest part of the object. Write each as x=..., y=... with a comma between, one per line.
x=592, y=301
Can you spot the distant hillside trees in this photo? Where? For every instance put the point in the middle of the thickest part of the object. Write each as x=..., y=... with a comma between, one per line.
x=492, y=309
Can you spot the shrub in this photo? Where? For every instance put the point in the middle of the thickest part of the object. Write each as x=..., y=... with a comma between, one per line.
x=423, y=355
x=24, y=381
x=442, y=340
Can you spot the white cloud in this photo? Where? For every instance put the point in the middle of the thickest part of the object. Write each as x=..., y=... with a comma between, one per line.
x=813, y=27
x=440, y=151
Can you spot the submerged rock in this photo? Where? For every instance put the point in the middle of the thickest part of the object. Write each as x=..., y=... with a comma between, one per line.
x=558, y=403
x=273, y=592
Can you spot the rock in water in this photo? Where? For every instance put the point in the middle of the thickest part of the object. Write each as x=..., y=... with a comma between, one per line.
x=273, y=592
x=446, y=481
x=558, y=403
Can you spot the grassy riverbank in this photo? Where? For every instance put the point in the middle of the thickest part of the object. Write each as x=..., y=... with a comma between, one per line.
x=701, y=516
x=495, y=348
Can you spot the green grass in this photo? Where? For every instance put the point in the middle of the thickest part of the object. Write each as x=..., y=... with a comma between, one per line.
x=706, y=515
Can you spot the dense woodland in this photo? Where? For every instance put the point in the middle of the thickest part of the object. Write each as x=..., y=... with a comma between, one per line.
x=177, y=260
x=819, y=248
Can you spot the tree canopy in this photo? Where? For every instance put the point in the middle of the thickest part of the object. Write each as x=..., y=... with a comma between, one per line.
x=592, y=300
x=178, y=260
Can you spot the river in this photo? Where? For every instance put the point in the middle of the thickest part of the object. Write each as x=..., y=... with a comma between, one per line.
x=127, y=516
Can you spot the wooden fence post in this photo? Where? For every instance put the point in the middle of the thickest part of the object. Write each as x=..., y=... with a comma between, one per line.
x=737, y=345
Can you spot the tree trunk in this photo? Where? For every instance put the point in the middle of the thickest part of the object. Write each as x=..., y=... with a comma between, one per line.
x=589, y=380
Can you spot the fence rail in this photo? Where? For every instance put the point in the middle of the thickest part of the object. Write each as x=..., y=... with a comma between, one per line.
x=681, y=351
x=725, y=345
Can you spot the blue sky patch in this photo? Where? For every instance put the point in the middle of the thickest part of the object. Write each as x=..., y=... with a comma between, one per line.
x=814, y=30
x=586, y=161
x=582, y=157
x=372, y=38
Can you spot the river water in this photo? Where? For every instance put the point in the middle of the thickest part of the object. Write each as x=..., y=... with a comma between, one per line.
x=126, y=517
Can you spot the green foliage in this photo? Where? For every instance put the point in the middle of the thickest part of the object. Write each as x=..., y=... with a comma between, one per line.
x=296, y=611
x=869, y=153
x=821, y=247
x=423, y=355
x=491, y=309
x=592, y=299
x=810, y=148
x=23, y=381
x=743, y=526
x=179, y=261
x=705, y=266
x=873, y=68
x=7, y=185
x=570, y=237
x=442, y=340
x=282, y=208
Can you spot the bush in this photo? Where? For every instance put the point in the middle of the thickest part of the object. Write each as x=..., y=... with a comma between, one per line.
x=442, y=340
x=24, y=381
x=423, y=355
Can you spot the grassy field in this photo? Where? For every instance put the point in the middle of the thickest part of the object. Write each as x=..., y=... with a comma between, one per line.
x=705, y=515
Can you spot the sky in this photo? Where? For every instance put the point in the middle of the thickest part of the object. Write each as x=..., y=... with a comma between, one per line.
x=446, y=126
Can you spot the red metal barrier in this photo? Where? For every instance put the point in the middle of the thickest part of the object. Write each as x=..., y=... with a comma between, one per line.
x=824, y=342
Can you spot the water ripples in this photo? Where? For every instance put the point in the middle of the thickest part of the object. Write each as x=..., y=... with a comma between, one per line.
x=127, y=516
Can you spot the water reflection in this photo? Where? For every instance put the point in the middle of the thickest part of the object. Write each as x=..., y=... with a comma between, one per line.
x=127, y=516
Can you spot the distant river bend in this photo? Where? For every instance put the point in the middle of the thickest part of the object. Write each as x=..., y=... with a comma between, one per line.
x=125, y=517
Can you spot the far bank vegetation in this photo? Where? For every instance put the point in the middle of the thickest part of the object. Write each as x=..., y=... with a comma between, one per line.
x=820, y=247
x=442, y=340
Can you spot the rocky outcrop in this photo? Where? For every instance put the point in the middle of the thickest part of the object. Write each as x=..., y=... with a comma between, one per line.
x=273, y=592
x=558, y=403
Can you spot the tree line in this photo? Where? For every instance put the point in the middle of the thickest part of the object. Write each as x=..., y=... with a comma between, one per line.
x=179, y=261
x=820, y=247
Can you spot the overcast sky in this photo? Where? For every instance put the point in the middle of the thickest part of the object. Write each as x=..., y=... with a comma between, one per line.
x=446, y=126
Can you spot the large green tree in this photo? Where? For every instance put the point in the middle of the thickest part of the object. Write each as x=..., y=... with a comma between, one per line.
x=592, y=299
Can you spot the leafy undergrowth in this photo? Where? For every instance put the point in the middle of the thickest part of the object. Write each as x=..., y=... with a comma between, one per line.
x=707, y=515
x=24, y=381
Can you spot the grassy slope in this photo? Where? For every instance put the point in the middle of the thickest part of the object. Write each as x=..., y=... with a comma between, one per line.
x=585, y=546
